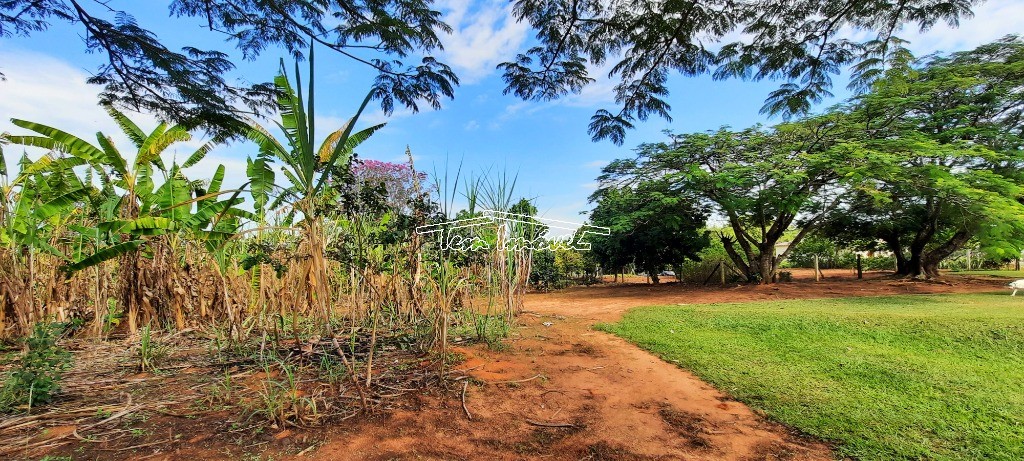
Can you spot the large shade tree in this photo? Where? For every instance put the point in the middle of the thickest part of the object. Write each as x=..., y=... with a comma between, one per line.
x=762, y=181
x=945, y=137
x=652, y=226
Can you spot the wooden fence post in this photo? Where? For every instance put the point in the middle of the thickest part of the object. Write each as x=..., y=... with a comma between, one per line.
x=860, y=268
x=817, y=272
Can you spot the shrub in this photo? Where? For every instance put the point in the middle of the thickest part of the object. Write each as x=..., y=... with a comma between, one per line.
x=36, y=377
x=879, y=263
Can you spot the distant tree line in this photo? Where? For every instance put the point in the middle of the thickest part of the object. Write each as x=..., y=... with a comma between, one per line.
x=927, y=160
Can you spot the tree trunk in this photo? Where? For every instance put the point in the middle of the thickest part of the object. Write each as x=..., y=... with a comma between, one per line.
x=914, y=266
x=737, y=259
x=902, y=265
x=766, y=268
x=930, y=260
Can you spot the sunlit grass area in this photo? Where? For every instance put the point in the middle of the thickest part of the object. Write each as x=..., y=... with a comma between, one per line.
x=994, y=273
x=902, y=377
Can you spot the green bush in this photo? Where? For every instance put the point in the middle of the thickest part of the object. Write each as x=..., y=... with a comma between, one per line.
x=830, y=255
x=879, y=263
x=544, y=274
x=36, y=377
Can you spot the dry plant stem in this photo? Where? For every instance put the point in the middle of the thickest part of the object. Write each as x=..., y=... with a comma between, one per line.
x=518, y=380
x=373, y=345
x=465, y=384
x=352, y=370
x=543, y=424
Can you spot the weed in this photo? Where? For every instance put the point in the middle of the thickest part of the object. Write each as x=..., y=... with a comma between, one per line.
x=280, y=401
x=222, y=390
x=137, y=432
x=36, y=376
x=150, y=352
x=331, y=369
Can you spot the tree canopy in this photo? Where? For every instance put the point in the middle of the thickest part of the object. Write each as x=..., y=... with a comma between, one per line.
x=801, y=42
x=394, y=38
x=944, y=136
x=761, y=180
x=652, y=226
x=929, y=159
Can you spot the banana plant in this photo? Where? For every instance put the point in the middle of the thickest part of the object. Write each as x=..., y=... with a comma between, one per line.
x=36, y=200
x=308, y=169
x=132, y=208
x=131, y=205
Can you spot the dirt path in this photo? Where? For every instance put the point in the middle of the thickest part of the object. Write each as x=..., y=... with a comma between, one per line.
x=620, y=401
x=556, y=390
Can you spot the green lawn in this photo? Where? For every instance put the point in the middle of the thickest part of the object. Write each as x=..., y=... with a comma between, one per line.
x=901, y=377
x=994, y=273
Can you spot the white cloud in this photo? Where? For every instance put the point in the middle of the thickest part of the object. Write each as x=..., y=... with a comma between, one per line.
x=472, y=125
x=378, y=116
x=992, y=20
x=46, y=90
x=596, y=164
x=43, y=89
x=485, y=34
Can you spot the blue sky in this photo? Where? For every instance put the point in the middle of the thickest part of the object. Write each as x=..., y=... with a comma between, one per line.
x=546, y=143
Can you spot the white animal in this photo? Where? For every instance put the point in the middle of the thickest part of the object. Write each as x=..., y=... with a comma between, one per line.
x=1016, y=285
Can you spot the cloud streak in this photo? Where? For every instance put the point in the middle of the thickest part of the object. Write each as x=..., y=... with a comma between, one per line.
x=484, y=34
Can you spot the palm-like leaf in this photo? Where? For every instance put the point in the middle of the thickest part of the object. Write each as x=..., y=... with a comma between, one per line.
x=104, y=254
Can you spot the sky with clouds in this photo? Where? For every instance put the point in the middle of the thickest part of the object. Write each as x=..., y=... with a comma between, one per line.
x=545, y=144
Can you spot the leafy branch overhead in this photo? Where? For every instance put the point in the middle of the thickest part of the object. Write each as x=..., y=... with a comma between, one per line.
x=192, y=86
x=801, y=42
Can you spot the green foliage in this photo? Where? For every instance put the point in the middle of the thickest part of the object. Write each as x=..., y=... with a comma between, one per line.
x=560, y=267
x=830, y=255
x=652, y=226
x=795, y=41
x=761, y=180
x=705, y=268
x=36, y=377
x=191, y=86
x=306, y=166
x=150, y=352
x=279, y=400
x=942, y=140
x=900, y=377
x=929, y=159
x=128, y=203
x=543, y=273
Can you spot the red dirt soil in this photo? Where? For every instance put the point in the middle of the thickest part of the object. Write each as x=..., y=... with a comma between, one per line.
x=608, y=398
x=624, y=402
